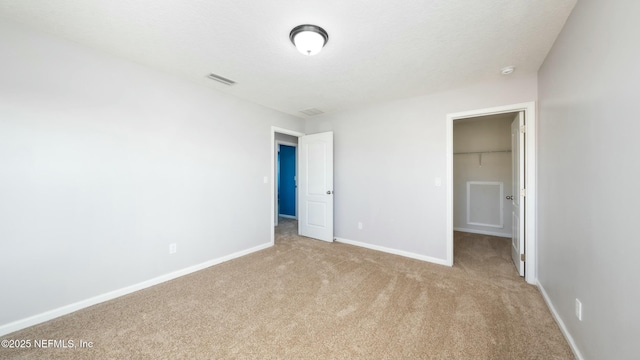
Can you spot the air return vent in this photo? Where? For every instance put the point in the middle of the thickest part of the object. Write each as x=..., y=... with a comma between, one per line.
x=312, y=112
x=221, y=79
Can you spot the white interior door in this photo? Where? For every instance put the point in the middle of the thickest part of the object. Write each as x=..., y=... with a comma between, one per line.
x=315, y=188
x=518, y=198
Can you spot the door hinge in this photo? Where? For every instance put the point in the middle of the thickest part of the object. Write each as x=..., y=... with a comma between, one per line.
x=523, y=128
x=522, y=257
x=523, y=192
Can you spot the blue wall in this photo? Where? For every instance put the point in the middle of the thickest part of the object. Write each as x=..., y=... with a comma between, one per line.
x=287, y=183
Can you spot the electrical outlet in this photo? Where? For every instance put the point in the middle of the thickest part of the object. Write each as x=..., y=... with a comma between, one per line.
x=579, y=309
x=359, y=226
x=172, y=248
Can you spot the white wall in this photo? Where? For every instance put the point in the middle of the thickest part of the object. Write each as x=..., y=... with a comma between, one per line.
x=588, y=176
x=481, y=134
x=387, y=157
x=104, y=163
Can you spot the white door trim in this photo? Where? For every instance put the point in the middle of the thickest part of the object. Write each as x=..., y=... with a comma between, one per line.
x=531, y=269
x=274, y=130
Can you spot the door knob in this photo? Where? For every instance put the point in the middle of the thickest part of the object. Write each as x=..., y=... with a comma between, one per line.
x=329, y=192
x=510, y=197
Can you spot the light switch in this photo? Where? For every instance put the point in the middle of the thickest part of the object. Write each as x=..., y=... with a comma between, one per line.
x=265, y=179
x=438, y=181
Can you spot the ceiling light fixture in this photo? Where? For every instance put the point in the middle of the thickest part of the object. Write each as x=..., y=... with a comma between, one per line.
x=507, y=70
x=308, y=39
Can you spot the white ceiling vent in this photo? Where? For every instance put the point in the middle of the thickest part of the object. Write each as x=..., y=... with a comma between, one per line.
x=312, y=112
x=221, y=79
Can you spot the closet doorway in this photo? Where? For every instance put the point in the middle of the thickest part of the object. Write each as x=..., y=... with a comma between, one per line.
x=489, y=206
x=486, y=180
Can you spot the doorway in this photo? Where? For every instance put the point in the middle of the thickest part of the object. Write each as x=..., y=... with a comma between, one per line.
x=286, y=194
x=486, y=196
x=280, y=136
x=314, y=178
x=528, y=167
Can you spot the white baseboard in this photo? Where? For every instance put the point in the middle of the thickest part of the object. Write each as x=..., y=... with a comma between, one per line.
x=67, y=309
x=563, y=328
x=287, y=216
x=394, y=251
x=482, y=232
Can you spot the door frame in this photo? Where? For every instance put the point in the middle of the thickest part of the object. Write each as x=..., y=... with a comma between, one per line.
x=274, y=130
x=275, y=176
x=529, y=108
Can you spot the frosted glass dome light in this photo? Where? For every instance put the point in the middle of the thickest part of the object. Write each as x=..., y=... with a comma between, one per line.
x=308, y=39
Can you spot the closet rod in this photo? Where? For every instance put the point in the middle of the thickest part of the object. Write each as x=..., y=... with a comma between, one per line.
x=482, y=152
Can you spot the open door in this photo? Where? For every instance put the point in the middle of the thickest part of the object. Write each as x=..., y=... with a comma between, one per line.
x=315, y=206
x=518, y=198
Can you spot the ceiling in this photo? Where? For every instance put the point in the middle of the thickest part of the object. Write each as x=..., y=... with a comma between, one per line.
x=378, y=49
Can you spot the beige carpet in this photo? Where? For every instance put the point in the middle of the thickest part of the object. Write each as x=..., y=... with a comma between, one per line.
x=306, y=299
